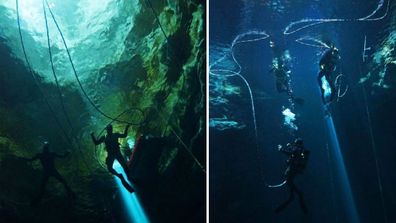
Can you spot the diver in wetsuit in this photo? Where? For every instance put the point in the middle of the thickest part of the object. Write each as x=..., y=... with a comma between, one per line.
x=282, y=76
x=282, y=72
x=49, y=170
x=327, y=65
x=296, y=163
x=114, y=153
x=279, y=69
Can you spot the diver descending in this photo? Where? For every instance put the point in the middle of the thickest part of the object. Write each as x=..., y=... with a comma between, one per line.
x=327, y=66
x=280, y=71
x=296, y=163
x=113, y=152
x=47, y=158
x=280, y=68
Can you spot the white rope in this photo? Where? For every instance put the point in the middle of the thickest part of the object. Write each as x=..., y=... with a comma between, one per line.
x=241, y=38
x=375, y=153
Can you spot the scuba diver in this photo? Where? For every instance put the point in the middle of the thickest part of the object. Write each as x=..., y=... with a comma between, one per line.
x=281, y=72
x=47, y=158
x=114, y=153
x=296, y=163
x=327, y=65
x=282, y=76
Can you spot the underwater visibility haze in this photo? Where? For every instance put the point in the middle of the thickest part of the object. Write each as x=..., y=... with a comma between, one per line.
x=302, y=99
x=102, y=111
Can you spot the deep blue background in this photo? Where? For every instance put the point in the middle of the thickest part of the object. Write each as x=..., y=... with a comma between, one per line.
x=237, y=193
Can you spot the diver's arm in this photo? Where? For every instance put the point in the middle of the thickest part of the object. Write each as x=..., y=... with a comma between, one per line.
x=286, y=150
x=125, y=134
x=96, y=141
x=31, y=159
x=325, y=59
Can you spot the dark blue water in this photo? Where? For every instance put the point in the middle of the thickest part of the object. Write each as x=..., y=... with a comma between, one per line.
x=351, y=172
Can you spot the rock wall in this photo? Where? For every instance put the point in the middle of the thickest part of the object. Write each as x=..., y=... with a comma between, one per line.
x=164, y=77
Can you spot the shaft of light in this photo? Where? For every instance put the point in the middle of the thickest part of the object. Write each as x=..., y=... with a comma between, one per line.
x=134, y=211
x=347, y=201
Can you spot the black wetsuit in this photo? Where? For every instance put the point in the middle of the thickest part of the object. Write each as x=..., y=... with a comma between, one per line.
x=114, y=153
x=296, y=163
x=49, y=170
x=282, y=79
x=327, y=65
x=281, y=71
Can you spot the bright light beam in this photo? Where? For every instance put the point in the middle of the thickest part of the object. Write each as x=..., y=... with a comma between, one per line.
x=348, y=202
x=134, y=211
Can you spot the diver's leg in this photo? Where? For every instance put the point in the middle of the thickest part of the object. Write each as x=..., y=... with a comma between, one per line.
x=122, y=162
x=109, y=163
x=301, y=199
x=321, y=74
x=59, y=177
x=124, y=166
x=287, y=202
x=333, y=89
x=40, y=194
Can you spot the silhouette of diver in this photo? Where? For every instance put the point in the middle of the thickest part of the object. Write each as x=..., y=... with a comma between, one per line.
x=296, y=163
x=327, y=65
x=114, y=153
x=49, y=170
x=281, y=72
x=282, y=76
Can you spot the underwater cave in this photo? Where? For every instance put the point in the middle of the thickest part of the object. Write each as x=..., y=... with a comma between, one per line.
x=69, y=68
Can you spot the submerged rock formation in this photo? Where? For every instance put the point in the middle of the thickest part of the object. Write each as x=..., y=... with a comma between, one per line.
x=124, y=60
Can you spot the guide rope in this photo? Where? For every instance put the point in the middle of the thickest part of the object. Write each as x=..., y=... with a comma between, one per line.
x=239, y=39
x=172, y=130
x=35, y=78
x=157, y=19
x=183, y=144
x=261, y=35
x=79, y=81
x=376, y=158
x=53, y=70
x=338, y=84
x=116, y=119
x=66, y=114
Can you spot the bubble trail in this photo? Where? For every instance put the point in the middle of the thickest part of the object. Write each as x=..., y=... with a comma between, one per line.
x=299, y=25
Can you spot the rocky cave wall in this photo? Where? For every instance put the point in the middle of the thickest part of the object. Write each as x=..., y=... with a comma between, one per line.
x=163, y=78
